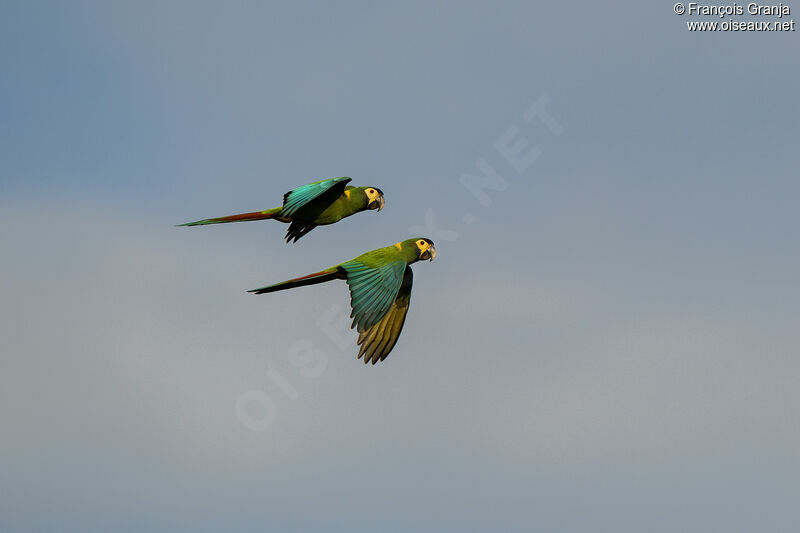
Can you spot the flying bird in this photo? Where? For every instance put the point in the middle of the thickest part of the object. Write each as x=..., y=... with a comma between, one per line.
x=316, y=204
x=380, y=292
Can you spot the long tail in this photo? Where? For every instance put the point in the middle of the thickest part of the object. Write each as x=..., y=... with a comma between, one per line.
x=257, y=215
x=311, y=279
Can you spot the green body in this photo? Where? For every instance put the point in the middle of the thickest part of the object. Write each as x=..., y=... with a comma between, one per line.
x=316, y=204
x=380, y=292
x=353, y=200
x=405, y=251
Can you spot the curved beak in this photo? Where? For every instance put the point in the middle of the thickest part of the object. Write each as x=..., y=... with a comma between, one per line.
x=377, y=203
x=429, y=254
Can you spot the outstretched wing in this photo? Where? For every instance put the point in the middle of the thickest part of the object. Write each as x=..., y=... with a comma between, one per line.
x=302, y=196
x=377, y=341
x=372, y=290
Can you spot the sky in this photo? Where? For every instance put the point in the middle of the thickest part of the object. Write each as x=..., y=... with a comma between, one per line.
x=607, y=340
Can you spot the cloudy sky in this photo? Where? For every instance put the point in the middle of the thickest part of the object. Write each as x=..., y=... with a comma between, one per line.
x=606, y=342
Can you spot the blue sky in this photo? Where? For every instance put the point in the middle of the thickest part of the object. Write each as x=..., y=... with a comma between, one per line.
x=607, y=344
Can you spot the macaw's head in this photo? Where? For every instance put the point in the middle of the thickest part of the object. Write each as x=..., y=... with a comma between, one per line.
x=420, y=249
x=426, y=249
x=374, y=198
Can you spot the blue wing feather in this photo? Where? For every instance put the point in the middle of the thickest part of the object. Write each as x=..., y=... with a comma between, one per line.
x=372, y=291
x=377, y=341
x=301, y=196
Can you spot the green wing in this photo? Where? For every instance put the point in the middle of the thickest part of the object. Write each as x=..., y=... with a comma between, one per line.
x=300, y=197
x=372, y=290
x=377, y=341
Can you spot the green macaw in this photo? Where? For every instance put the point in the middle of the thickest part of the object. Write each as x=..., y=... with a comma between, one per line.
x=380, y=291
x=316, y=204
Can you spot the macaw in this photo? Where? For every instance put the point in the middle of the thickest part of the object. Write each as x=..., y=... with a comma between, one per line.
x=380, y=292
x=316, y=204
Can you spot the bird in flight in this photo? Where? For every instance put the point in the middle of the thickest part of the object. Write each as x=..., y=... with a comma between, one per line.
x=316, y=204
x=380, y=292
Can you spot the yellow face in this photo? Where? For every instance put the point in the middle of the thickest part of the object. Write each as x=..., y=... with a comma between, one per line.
x=426, y=249
x=374, y=198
